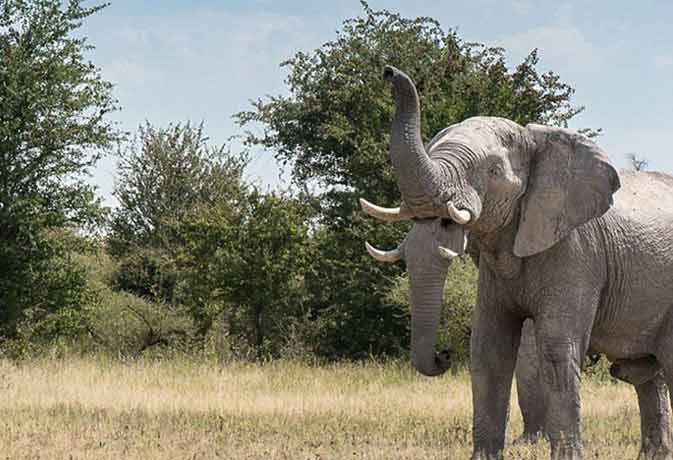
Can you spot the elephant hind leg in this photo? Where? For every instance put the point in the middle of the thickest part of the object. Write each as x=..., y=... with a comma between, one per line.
x=636, y=371
x=655, y=423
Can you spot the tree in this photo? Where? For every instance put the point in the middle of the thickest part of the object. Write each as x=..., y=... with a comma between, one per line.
x=637, y=162
x=246, y=264
x=333, y=128
x=53, y=127
x=162, y=175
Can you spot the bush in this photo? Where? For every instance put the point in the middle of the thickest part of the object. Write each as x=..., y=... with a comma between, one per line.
x=54, y=296
x=125, y=324
x=162, y=175
x=245, y=266
x=147, y=273
x=54, y=126
x=99, y=319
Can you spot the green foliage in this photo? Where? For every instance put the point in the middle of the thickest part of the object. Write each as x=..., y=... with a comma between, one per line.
x=125, y=325
x=52, y=115
x=597, y=368
x=346, y=290
x=243, y=266
x=333, y=130
x=163, y=174
x=53, y=127
x=334, y=126
x=460, y=296
x=149, y=273
x=57, y=298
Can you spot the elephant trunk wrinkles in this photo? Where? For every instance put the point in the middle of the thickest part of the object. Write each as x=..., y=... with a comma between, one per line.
x=426, y=289
x=417, y=174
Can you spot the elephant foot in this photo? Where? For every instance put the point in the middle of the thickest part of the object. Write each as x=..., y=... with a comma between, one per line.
x=660, y=453
x=529, y=437
x=567, y=452
x=487, y=456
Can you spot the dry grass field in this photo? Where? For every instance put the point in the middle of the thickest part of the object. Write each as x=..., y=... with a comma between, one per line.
x=97, y=409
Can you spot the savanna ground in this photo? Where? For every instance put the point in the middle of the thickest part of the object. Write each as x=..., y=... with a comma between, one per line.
x=101, y=409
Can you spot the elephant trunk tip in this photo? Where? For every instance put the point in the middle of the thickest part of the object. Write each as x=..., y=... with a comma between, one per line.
x=389, y=72
x=402, y=83
x=435, y=367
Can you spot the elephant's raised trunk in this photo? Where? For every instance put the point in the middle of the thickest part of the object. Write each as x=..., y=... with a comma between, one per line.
x=426, y=289
x=417, y=174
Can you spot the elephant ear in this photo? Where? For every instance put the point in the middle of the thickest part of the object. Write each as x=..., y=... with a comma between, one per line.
x=571, y=181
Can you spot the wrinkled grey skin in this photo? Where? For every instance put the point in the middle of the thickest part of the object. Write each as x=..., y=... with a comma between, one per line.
x=643, y=373
x=559, y=242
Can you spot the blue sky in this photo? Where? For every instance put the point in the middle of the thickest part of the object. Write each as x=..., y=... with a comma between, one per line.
x=177, y=60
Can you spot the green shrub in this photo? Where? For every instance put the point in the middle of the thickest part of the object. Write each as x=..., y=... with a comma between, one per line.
x=147, y=273
x=127, y=325
x=54, y=295
x=597, y=367
x=124, y=324
x=244, y=267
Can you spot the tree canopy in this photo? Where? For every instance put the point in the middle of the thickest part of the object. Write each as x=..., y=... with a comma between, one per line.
x=161, y=176
x=53, y=128
x=334, y=125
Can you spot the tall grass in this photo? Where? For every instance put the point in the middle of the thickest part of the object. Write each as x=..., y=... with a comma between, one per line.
x=103, y=409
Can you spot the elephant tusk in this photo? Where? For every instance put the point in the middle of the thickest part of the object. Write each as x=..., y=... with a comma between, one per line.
x=447, y=253
x=383, y=256
x=387, y=214
x=459, y=216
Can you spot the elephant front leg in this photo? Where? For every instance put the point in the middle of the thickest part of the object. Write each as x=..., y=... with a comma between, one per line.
x=655, y=424
x=528, y=387
x=494, y=344
x=560, y=358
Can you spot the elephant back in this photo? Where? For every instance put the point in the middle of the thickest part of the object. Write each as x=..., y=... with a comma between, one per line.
x=646, y=197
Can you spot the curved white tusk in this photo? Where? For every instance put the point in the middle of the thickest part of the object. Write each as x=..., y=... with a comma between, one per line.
x=459, y=216
x=388, y=214
x=447, y=253
x=383, y=256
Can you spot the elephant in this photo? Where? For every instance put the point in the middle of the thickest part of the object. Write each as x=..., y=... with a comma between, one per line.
x=563, y=238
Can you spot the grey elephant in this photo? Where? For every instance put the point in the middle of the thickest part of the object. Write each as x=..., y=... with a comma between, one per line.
x=563, y=239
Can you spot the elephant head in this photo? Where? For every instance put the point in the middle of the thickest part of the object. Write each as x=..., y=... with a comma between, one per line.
x=488, y=178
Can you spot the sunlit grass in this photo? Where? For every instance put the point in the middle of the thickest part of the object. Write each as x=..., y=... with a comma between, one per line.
x=98, y=409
